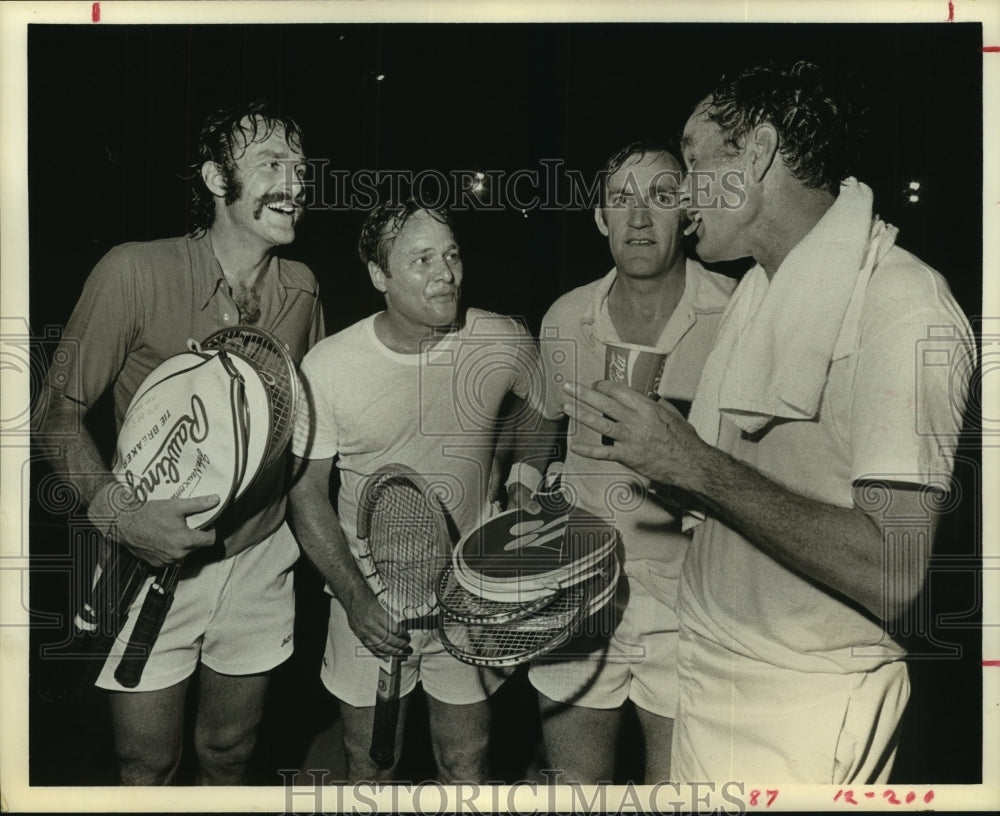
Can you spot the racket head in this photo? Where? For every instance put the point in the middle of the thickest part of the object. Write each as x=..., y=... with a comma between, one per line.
x=501, y=646
x=529, y=555
x=460, y=604
x=405, y=540
x=587, y=597
x=518, y=641
x=269, y=358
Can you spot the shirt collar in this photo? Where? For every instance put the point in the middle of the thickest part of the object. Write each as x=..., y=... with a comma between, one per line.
x=203, y=257
x=704, y=293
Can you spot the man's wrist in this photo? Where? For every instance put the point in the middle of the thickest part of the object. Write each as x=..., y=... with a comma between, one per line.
x=524, y=474
x=106, y=505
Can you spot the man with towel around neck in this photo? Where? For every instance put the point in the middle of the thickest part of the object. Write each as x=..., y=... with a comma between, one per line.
x=820, y=442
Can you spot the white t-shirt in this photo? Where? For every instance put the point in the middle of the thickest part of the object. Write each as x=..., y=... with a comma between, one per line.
x=434, y=411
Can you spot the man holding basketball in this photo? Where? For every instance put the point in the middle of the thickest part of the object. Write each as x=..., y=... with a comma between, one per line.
x=653, y=297
x=820, y=447
x=233, y=608
x=419, y=384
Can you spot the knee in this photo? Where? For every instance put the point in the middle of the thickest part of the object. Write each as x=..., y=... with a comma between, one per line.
x=149, y=766
x=462, y=757
x=224, y=745
x=359, y=764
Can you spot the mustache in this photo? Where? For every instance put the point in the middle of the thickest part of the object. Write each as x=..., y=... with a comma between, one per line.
x=281, y=198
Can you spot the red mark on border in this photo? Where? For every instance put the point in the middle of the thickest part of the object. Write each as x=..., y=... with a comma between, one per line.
x=991, y=49
x=951, y=12
x=95, y=12
x=993, y=663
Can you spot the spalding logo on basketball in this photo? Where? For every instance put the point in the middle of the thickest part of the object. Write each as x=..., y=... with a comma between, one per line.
x=197, y=426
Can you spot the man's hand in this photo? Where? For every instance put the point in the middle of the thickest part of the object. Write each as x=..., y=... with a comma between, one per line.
x=650, y=437
x=519, y=497
x=156, y=531
x=375, y=627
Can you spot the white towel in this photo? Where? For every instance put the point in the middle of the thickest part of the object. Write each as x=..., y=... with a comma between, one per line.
x=777, y=339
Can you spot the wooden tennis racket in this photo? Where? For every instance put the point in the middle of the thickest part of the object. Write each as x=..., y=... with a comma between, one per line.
x=405, y=545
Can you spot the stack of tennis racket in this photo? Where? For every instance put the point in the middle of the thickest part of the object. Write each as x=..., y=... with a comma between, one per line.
x=524, y=584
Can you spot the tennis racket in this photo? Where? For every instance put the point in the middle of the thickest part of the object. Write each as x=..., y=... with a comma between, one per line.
x=516, y=556
x=405, y=545
x=263, y=391
x=459, y=604
x=518, y=641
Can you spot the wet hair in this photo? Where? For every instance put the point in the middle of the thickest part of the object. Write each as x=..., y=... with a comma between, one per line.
x=639, y=149
x=223, y=139
x=384, y=223
x=814, y=119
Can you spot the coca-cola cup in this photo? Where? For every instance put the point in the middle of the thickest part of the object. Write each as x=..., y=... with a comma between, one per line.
x=638, y=367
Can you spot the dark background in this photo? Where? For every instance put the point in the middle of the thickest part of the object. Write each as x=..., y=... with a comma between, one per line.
x=113, y=114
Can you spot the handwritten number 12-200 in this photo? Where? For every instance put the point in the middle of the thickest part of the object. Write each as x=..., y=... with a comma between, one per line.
x=889, y=795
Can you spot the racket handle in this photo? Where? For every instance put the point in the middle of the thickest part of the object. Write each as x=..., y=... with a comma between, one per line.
x=147, y=627
x=383, y=747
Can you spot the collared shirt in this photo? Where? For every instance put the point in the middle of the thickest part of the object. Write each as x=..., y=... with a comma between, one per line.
x=573, y=337
x=142, y=303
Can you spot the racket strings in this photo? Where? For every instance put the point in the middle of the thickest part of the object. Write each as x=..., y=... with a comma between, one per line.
x=499, y=646
x=470, y=607
x=406, y=547
x=271, y=363
x=515, y=641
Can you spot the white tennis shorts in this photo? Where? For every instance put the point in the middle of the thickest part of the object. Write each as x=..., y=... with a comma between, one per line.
x=350, y=671
x=746, y=720
x=638, y=662
x=235, y=615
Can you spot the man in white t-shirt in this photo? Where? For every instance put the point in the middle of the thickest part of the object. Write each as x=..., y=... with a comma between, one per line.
x=420, y=384
x=821, y=442
x=654, y=297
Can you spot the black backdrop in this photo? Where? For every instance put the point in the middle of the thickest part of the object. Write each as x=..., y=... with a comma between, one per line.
x=114, y=110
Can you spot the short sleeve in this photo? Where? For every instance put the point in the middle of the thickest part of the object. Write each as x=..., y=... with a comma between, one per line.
x=100, y=331
x=559, y=362
x=527, y=383
x=315, y=435
x=911, y=386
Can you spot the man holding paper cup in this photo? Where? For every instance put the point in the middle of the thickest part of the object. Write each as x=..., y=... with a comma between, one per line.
x=821, y=445
x=648, y=323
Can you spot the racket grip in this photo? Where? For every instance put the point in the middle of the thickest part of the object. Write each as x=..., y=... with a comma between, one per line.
x=147, y=627
x=383, y=747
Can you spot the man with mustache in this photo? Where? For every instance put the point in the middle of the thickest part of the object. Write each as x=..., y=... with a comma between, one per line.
x=234, y=607
x=819, y=452
x=420, y=384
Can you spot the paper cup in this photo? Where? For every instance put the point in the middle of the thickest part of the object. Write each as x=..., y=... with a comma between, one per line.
x=638, y=367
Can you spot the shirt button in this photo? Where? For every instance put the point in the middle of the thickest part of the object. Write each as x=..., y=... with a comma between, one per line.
x=225, y=316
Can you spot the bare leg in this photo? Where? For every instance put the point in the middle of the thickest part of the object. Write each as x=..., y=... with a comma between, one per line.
x=460, y=738
x=149, y=732
x=580, y=742
x=229, y=711
x=658, y=733
x=358, y=740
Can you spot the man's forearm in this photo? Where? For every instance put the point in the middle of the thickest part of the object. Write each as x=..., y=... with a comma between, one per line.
x=72, y=452
x=534, y=442
x=840, y=547
x=319, y=533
